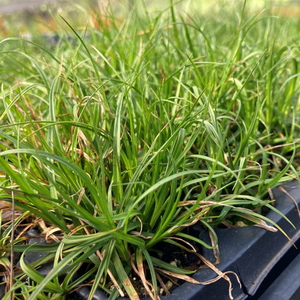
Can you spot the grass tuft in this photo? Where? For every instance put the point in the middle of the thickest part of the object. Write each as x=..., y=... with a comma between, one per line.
x=134, y=127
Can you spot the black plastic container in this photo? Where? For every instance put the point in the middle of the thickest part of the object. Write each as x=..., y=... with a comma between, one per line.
x=257, y=256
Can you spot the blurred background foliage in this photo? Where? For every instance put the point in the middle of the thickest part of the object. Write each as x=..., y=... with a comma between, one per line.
x=19, y=19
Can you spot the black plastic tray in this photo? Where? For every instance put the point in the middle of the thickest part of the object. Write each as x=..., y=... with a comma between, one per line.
x=287, y=285
x=251, y=252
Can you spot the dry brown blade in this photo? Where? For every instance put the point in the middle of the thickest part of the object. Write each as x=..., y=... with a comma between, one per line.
x=214, y=268
x=208, y=203
x=16, y=170
x=140, y=235
x=78, y=228
x=172, y=279
x=16, y=271
x=25, y=229
x=141, y=230
x=264, y=225
x=141, y=273
x=226, y=158
x=219, y=272
x=82, y=191
x=81, y=153
x=182, y=240
x=278, y=146
x=158, y=118
x=46, y=230
x=252, y=168
x=81, y=286
x=109, y=153
x=291, y=197
x=145, y=144
x=5, y=204
x=20, y=109
x=291, y=187
x=275, y=161
x=133, y=265
x=50, y=235
x=261, y=224
x=188, y=278
x=97, y=211
x=162, y=284
x=25, y=238
x=83, y=137
x=271, y=196
x=215, y=249
x=112, y=278
x=192, y=202
x=195, y=220
x=242, y=208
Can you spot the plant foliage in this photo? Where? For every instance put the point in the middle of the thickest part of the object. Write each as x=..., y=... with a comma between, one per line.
x=127, y=132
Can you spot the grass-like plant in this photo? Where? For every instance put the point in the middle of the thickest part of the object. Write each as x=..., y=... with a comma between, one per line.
x=122, y=136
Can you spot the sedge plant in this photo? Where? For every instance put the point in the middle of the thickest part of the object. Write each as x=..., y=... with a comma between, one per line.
x=124, y=134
